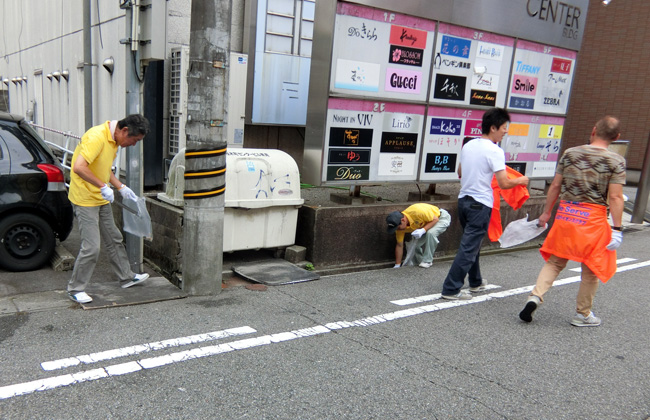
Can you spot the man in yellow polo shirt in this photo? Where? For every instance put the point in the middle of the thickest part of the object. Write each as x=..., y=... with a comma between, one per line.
x=425, y=222
x=91, y=197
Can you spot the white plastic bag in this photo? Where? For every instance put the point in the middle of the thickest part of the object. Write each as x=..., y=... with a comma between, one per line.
x=520, y=231
x=137, y=224
x=410, y=252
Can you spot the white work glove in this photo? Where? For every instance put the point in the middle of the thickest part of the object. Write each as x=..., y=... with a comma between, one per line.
x=617, y=239
x=397, y=265
x=418, y=233
x=107, y=193
x=128, y=193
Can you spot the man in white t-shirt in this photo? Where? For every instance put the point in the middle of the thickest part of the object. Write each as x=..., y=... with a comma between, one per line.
x=480, y=159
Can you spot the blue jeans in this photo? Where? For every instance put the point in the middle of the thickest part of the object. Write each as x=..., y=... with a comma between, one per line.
x=474, y=217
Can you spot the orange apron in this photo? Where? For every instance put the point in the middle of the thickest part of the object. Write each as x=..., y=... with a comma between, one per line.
x=581, y=233
x=515, y=197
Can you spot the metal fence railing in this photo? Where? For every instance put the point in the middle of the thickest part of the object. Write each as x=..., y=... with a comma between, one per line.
x=66, y=151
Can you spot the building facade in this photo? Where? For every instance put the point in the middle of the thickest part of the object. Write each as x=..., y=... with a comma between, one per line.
x=43, y=65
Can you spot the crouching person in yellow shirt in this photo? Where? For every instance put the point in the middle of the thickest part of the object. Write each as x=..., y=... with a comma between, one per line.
x=425, y=222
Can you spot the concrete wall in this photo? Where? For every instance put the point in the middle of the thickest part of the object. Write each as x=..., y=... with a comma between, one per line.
x=340, y=236
x=335, y=237
x=164, y=252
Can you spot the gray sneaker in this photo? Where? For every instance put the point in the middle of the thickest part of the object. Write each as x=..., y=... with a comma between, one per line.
x=480, y=287
x=585, y=321
x=462, y=295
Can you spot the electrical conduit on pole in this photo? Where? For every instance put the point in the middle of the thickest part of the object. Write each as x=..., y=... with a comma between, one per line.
x=88, y=69
x=134, y=244
x=205, y=153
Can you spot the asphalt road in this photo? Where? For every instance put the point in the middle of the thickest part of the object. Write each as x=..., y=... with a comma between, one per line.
x=340, y=348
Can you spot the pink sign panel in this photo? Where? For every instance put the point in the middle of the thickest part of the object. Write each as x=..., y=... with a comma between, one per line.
x=524, y=85
x=380, y=16
x=473, y=128
x=404, y=81
x=370, y=106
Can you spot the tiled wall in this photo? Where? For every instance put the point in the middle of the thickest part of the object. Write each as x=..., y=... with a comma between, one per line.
x=613, y=76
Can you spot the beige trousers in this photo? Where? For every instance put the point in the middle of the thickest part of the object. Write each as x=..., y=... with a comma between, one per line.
x=586, y=292
x=97, y=226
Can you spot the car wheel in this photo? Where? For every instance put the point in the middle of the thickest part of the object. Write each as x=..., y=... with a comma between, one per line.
x=26, y=242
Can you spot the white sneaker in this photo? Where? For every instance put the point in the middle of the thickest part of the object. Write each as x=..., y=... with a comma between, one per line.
x=462, y=295
x=585, y=321
x=425, y=264
x=139, y=278
x=80, y=297
x=480, y=288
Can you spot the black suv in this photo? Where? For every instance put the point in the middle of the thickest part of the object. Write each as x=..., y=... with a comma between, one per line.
x=34, y=206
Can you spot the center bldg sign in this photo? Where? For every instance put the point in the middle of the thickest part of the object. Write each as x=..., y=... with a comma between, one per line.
x=395, y=90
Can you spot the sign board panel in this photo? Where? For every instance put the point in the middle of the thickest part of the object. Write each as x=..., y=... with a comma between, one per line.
x=371, y=141
x=531, y=146
x=470, y=67
x=554, y=22
x=380, y=55
x=445, y=131
x=535, y=142
x=398, y=95
x=541, y=78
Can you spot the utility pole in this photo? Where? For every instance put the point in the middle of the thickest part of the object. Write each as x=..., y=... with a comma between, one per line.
x=134, y=244
x=205, y=153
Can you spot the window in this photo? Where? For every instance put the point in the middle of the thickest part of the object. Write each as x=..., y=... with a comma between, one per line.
x=290, y=26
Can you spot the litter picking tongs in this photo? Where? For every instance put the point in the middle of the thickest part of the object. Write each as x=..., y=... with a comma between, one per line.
x=125, y=207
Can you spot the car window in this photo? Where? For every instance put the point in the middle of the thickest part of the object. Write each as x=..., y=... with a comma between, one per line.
x=21, y=147
x=5, y=163
x=30, y=130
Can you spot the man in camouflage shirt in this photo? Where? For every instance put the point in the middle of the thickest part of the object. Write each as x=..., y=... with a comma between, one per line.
x=588, y=180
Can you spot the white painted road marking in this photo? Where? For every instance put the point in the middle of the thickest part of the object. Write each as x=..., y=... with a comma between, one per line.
x=144, y=348
x=130, y=367
x=429, y=298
